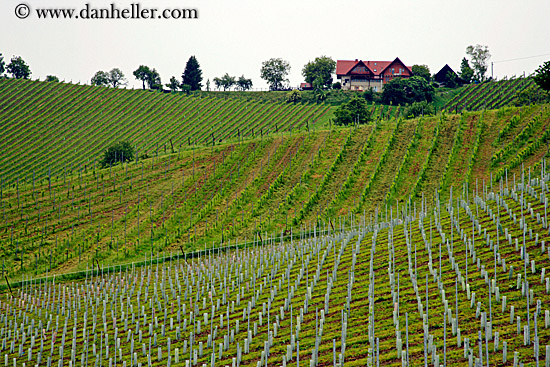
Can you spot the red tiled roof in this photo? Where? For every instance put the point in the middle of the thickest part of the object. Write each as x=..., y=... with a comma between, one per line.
x=343, y=67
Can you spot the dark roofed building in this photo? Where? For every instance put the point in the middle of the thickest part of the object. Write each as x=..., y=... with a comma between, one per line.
x=442, y=75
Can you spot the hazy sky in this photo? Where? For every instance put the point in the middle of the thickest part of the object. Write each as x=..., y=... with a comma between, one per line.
x=235, y=36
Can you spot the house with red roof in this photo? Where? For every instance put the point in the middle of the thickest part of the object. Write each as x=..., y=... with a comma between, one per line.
x=362, y=75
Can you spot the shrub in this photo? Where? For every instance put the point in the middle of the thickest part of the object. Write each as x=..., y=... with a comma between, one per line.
x=294, y=96
x=420, y=109
x=353, y=111
x=119, y=152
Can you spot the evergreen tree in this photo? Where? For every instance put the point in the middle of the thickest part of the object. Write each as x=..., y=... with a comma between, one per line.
x=466, y=72
x=192, y=76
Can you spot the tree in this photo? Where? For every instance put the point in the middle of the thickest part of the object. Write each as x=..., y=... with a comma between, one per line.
x=450, y=80
x=208, y=85
x=153, y=80
x=417, y=89
x=174, y=85
x=121, y=151
x=116, y=78
x=318, y=90
x=353, y=111
x=192, y=74
x=274, y=72
x=542, y=76
x=244, y=83
x=52, y=78
x=149, y=76
x=321, y=68
x=294, y=96
x=217, y=82
x=403, y=91
x=18, y=68
x=422, y=108
x=100, y=79
x=394, y=92
x=2, y=65
x=466, y=72
x=422, y=71
x=226, y=81
x=480, y=56
x=142, y=73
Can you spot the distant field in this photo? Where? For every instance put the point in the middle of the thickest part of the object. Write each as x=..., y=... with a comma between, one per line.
x=488, y=95
x=54, y=128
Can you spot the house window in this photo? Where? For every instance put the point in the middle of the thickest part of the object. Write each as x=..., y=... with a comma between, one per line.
x=375, y=70
x=392, y=70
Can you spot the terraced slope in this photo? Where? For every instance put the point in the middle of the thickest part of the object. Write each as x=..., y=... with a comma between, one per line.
x=249, y=189
x=49, y=129
x=456, y=282
x=488, y=95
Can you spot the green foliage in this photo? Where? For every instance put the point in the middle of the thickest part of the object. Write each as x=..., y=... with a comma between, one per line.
x=369, y=95
x=18, y=68
x=542, y=76
x=192, y=74
x=512, y=123
x=294, y=96
x=142, y=73
x=381, y=162
x=116, y=78
x=479, y=55
x=244, y=83
x=2, y=65
x=121, y=151
x=450, y=80
x=52, y=78
x=149, y=76
x=320, y=69
x=531, y=95
x=422, y=71
x=174, y=85
x=274, y=71
x=225, y=82
x=422, y=108
x=185, y=88
x=318, y=90
x=402, y=91
x=100, y=79
x=353, y=111
x=337, y=86
x=466, y=72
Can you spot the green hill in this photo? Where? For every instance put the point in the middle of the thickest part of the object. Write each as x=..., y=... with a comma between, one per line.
x=235, y=190
x=50, y=129
x=489, y=95
x=395, y=238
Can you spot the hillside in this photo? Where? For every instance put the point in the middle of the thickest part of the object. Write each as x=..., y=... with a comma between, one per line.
x=488, y=95
x=441, y=284
x=50, y=129
x=358, y=244
x=237, y=190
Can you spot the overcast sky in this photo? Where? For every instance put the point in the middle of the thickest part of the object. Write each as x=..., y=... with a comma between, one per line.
x=236, y=36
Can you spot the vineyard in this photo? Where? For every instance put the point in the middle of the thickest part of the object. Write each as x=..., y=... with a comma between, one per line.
x=488, y=95
x=458, y=282
x=289, y=241
x=52, y=129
